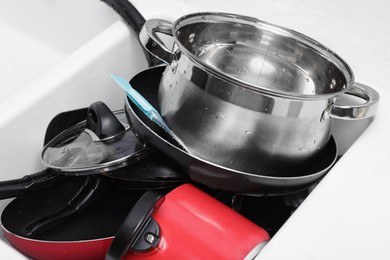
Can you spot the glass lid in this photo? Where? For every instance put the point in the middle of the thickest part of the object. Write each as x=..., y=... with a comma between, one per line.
x=101, y=143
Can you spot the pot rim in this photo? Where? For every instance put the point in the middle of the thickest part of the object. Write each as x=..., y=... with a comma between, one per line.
x=214, y=17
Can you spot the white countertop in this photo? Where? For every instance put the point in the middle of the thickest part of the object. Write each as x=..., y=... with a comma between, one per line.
x=347, y=215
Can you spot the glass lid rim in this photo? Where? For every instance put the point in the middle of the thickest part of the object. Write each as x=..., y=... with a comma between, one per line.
x=97, y=168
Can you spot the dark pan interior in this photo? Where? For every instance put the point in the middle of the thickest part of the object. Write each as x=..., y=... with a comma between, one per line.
x=101, y=219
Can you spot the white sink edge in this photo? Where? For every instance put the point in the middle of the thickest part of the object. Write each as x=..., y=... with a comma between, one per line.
x=78, y=81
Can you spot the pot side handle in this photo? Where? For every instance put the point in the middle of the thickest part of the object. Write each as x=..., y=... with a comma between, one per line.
x=351, y=112
x=139, y=232
x=152, y=42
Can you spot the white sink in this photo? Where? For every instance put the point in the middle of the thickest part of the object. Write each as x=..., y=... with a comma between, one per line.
x=37, y=35
x=56, y=56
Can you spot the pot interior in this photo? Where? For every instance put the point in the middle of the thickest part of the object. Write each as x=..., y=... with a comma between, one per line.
x=261, y=56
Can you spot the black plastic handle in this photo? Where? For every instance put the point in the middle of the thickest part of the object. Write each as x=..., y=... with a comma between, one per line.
x=135, y=224
x=32, y=182
x=132, y=17
x=128, y=12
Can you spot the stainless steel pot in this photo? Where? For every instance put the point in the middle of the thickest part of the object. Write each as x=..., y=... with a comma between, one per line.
x=258, y=183
x=250, y=95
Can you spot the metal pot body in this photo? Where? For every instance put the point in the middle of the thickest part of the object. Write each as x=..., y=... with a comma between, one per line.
x=239, y=128
x=249, y=95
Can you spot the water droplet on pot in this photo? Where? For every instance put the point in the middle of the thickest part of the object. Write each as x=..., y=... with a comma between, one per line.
x=191, y=38
x=229, y=93
x=248, y=132
x=221, y=115
x=307, y=79
x=333, y=84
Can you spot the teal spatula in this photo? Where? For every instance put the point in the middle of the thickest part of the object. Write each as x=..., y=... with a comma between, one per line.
x=146, y=107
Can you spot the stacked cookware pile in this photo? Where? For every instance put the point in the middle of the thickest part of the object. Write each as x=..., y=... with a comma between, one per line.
x=248, y=108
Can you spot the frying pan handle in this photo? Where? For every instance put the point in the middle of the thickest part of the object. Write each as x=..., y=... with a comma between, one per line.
x=32, y=182
x=153, y=43
x=128, y=12
x=362, y=111
x=139, y=232
x=131, y=16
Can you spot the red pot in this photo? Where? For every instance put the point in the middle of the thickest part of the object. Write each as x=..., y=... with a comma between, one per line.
x=185, y=224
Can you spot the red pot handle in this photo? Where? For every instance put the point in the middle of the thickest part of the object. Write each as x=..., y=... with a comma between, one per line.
x=139, y=232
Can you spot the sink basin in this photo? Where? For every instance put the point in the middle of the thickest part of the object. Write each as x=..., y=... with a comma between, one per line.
x=56, y=56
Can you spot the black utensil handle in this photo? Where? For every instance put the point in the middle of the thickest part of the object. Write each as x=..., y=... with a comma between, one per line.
x=132, y=17
x=128, y=12
x=89, y=191
x=134, y=224
x=32, y=182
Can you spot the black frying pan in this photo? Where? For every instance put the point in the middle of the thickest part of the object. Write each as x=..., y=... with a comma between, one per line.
x=212, y=175
x=267, y=182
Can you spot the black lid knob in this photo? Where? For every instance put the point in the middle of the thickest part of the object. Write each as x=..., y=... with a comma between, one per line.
x=102, y=121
